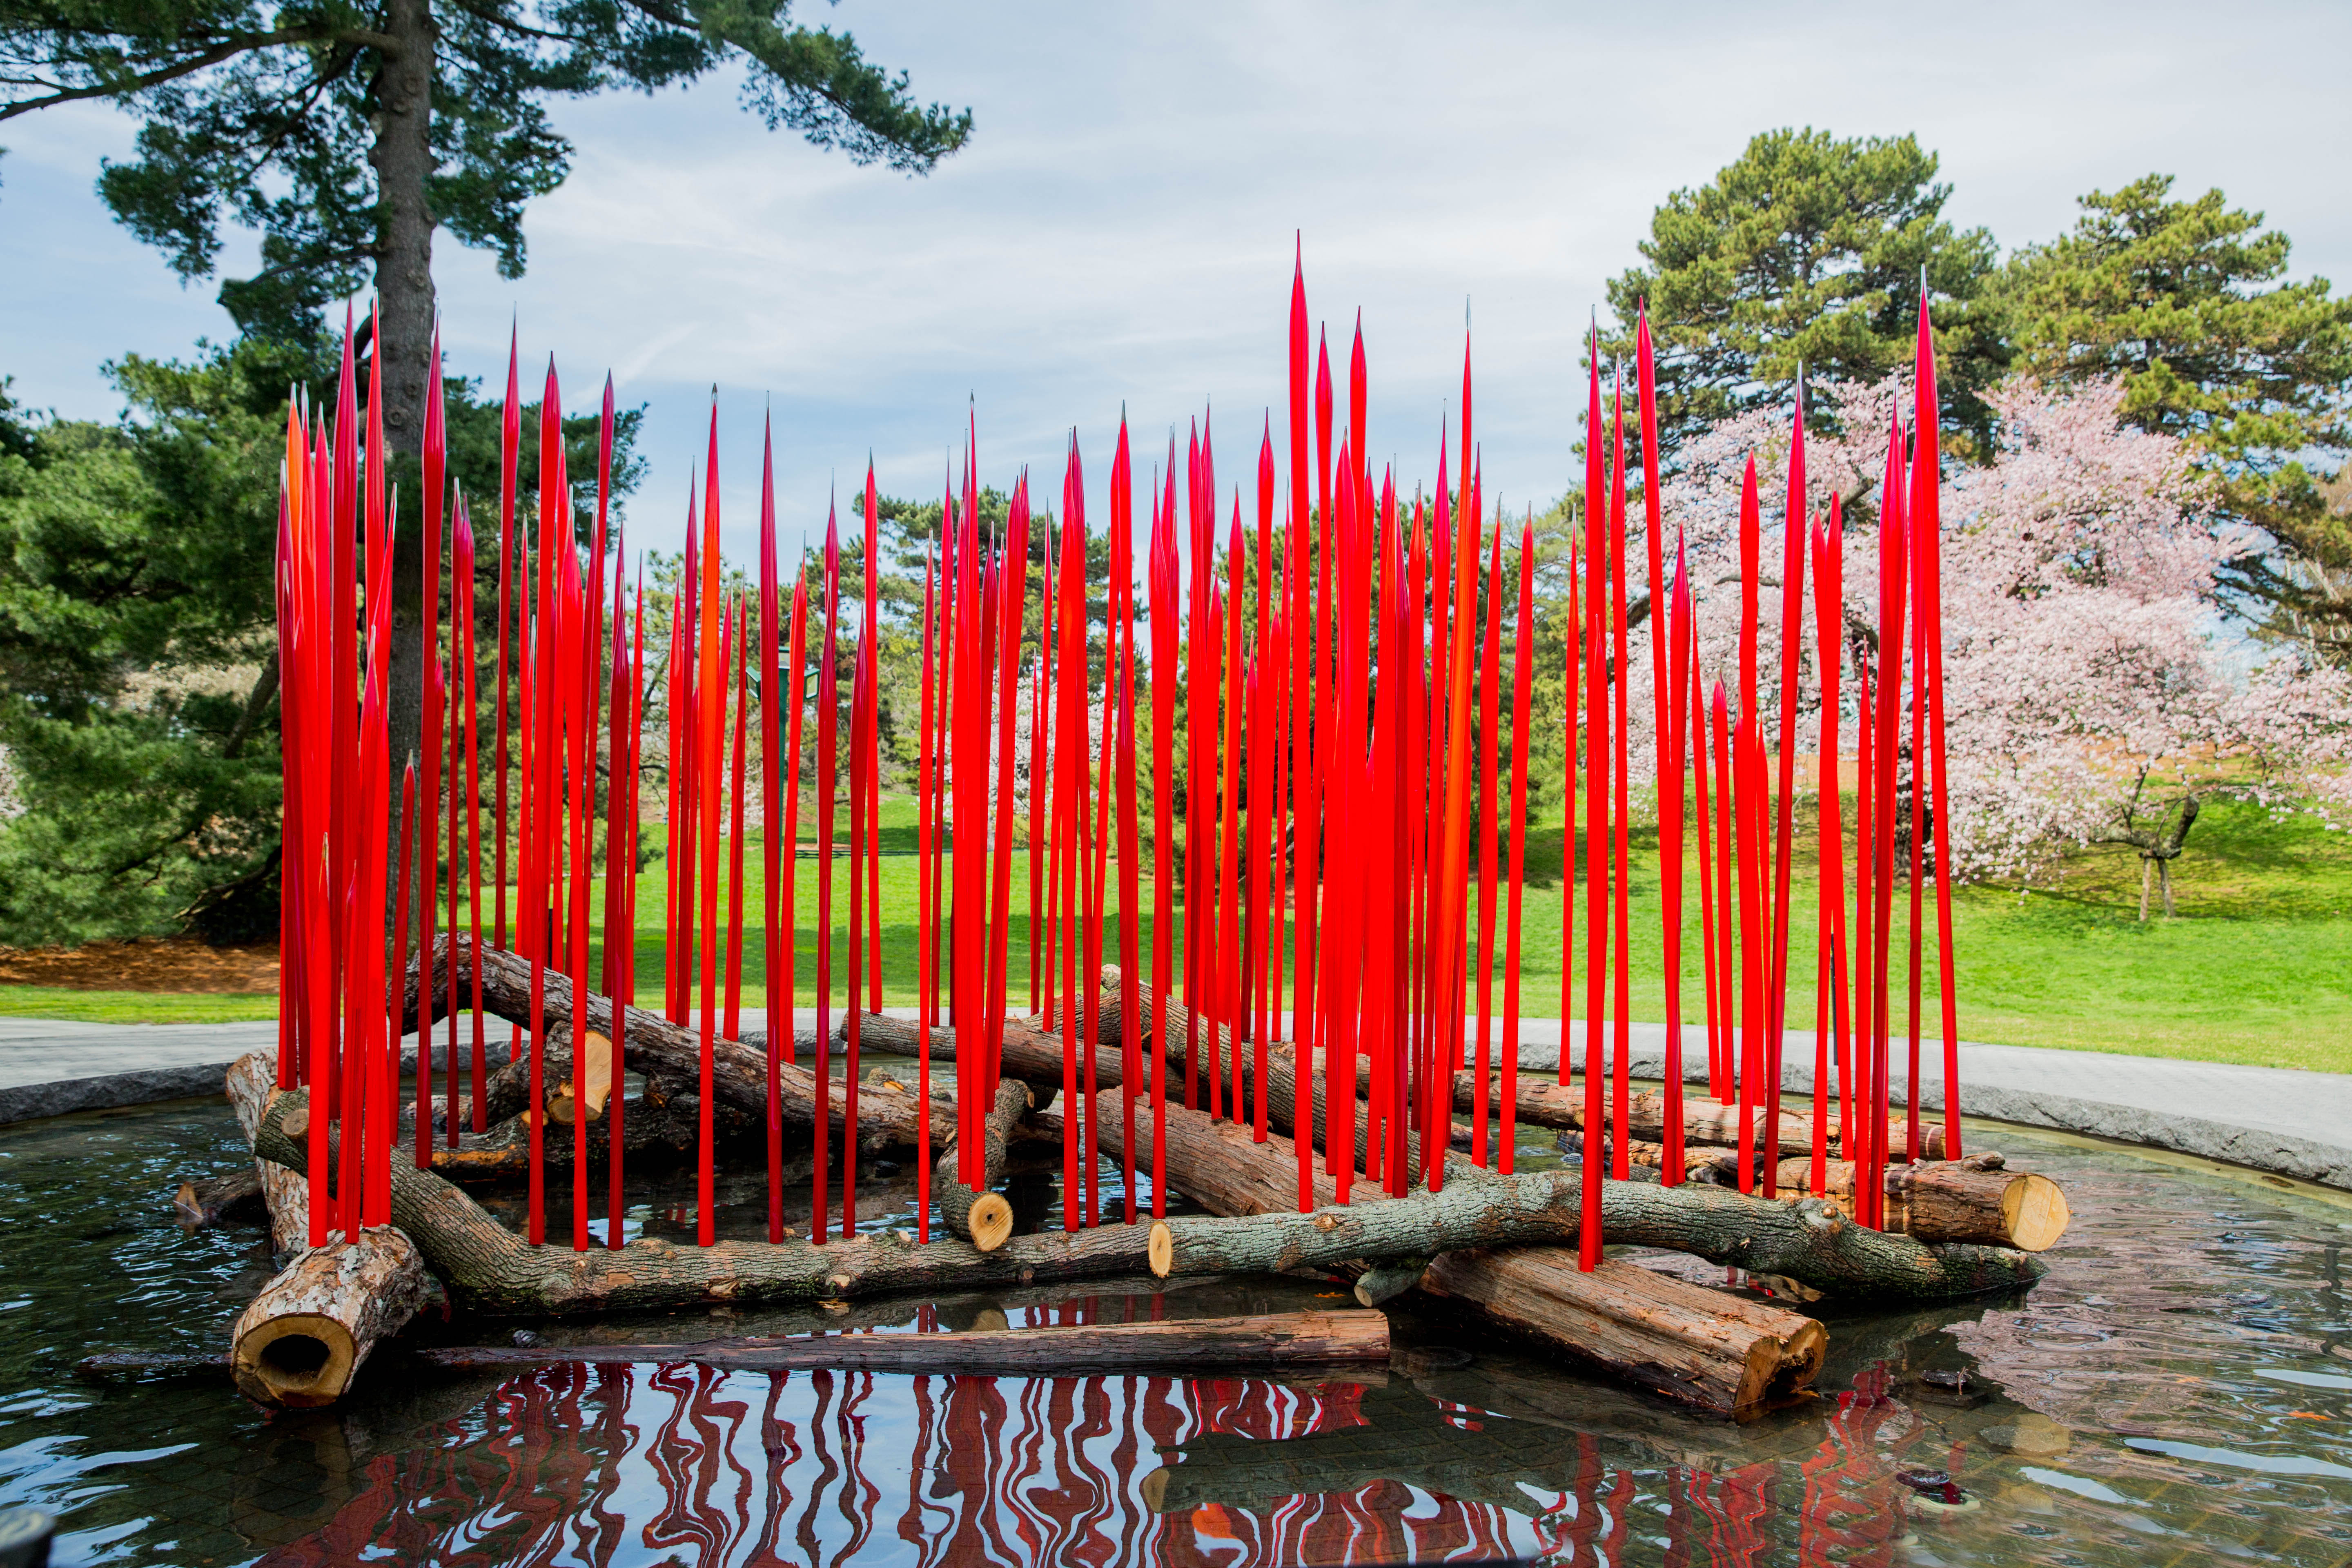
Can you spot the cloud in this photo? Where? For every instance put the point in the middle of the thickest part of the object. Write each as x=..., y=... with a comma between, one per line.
x=1120, y=229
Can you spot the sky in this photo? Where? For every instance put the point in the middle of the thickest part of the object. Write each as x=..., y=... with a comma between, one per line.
x=1119, y=232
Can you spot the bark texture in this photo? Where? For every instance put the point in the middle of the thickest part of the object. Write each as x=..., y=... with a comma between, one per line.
x=981, y=1216
x=299, y=1342
x=1270, y=1340
x=251, y=1084
x=656, y=1048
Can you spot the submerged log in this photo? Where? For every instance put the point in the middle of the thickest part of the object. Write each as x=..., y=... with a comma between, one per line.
x=299, y=1342
x=654, y=1046
x=237, y=1194
x=1270, y=1340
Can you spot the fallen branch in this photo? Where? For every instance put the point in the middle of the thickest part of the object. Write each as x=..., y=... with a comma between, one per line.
x=303, y=1338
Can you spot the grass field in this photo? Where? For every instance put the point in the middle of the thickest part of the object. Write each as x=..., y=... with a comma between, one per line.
x=2257, y=968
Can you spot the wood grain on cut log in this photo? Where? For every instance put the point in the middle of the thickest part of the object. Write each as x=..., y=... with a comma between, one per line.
x=300, y=1341
x=1960, y=1201
x=654, y=1046
x=597, y=1053
x=1268, y=1340
x=982, y=1215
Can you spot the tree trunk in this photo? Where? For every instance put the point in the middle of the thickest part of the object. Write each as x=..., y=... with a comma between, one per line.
x=403, y=347
x=1721, y=1352
x=234, y=1196
x=303, y=1338
x=1271, y=1340
x=1546, y=1103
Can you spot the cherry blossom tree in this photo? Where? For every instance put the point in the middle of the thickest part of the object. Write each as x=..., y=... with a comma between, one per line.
x=2092, y=693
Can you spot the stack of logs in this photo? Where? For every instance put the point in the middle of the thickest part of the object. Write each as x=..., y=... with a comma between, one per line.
x=1501, y=1249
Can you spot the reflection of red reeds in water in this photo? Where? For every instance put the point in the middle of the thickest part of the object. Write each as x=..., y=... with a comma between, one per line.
x=573, y=1465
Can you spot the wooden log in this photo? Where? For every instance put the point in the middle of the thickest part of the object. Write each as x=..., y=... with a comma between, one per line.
x=1705, y=1348
x=1719, y=1352
x=1269, y=1340
x=654, y=1046
x=251, y=1084
x=597, y=1051
x=301, y=1340
x=235, y=1194
x=981, y=1216
x=1963, y=1201
x=1547, y=1103
x=1031, y=1053
x=488, y=1269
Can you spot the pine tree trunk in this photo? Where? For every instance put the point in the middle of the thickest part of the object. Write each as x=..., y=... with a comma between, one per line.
x=403, y=156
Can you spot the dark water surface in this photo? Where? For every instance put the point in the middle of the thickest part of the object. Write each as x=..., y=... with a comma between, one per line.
x=2180, y=1390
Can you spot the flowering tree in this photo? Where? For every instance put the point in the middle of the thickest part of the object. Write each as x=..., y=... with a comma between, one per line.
x=2090, y=697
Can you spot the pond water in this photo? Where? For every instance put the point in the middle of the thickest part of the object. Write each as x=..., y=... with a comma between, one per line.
x=2178, y=1390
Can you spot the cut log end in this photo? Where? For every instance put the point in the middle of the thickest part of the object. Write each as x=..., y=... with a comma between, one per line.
x=992, y=1221
x=301, y=1340
x=598, y=1052
x=2034, y=1212
x=1781, y=1367
x=300, y=1362
x=1162, y=1248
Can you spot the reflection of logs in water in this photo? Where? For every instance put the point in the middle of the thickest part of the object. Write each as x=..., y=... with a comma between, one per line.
x=599, y=1465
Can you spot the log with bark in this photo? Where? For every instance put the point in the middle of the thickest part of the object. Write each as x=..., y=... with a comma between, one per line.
x=1545, y=1102
x=1032, y=1051
x=301, y=1340
x=1974, y=1199
x=1718, y=1352
x=209, y=1200
x=1268, y=1340
x=656, y=1047
x=251, y=1083
x=981, y=1216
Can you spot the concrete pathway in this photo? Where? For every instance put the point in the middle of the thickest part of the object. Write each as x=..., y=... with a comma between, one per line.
x=2295, y=1123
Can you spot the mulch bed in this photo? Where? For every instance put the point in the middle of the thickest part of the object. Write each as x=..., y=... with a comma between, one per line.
x=144, y=964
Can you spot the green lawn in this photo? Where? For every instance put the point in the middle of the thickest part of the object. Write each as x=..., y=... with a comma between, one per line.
x=2257, y=968
x=135, y=1006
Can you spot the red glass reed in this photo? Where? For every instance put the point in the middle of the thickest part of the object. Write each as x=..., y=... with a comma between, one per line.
x=828, y=709
x=1665, y=717
x=1619, y=847
x=1925, y=515
x=709, y=736
x=1793, y=642
x=1680, y=677
x=1596, y=828
x=1163, y=608
x=1523, y=675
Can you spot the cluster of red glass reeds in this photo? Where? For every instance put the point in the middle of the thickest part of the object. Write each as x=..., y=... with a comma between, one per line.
x=1342, y=686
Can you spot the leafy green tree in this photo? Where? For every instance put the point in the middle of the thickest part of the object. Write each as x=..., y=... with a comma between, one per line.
x=138, y=669
x=1808, y=252
x=347, y=132
x=2188, y=303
